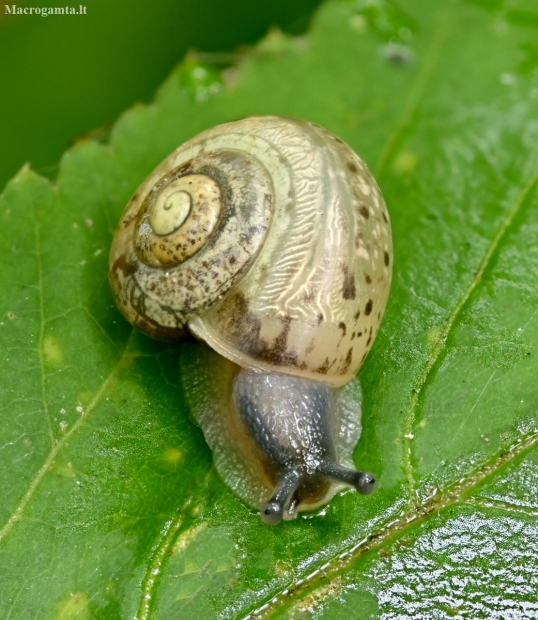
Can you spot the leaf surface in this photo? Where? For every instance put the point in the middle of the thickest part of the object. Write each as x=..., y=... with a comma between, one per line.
x=110, y=506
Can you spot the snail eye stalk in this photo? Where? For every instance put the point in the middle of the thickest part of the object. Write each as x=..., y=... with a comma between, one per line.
x=273, y=511
x=363, y=481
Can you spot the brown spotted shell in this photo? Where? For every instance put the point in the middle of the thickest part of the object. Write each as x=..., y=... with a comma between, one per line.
x=269, y=238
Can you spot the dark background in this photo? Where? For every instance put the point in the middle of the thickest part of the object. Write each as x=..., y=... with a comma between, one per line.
x=62, y=76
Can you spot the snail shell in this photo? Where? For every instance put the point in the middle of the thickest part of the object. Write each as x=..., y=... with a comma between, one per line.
x=269, y=239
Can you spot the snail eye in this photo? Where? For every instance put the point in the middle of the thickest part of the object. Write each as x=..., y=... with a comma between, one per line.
x=269, y=239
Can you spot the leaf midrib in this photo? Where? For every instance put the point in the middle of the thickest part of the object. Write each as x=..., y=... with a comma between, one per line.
x=454, y=494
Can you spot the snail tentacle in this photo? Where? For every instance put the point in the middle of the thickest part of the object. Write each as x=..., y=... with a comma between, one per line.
x=278, y=506
x=364, y=482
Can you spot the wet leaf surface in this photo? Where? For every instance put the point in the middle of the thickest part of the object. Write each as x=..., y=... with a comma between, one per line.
x=110, y=506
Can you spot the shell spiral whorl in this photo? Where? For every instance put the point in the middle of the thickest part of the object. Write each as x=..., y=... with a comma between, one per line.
x=179, y=220
x=182, y=240
x=268, y=237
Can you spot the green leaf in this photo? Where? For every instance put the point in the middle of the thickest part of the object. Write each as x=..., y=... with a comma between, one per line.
x=110, y=505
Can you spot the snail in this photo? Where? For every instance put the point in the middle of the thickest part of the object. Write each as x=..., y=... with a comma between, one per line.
x=268, y=239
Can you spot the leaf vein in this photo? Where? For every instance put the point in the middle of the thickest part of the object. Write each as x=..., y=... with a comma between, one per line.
x=457, y=493
x=504, y=506
x=161, y=552
x=431, y=56
x=440, y=344
x=60, y=443
x=40, y=352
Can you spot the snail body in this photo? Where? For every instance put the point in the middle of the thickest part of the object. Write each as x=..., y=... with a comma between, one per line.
x=269, y=239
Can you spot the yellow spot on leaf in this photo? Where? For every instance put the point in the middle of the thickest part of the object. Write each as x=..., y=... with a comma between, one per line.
x=64, y=469
x=172, y=455
x=405, y=162
x=433, y=335
x=186, y=538
x=52, y=352
x=358, y=23
x=187, y=593
x=74, y=606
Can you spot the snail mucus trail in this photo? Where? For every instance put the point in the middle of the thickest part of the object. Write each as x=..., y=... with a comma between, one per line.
x=268, y=239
